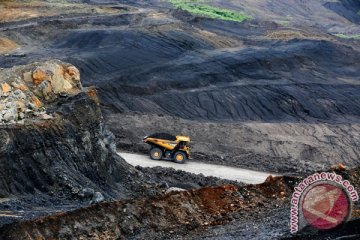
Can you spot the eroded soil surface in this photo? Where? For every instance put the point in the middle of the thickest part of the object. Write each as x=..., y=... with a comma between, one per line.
x=226, y=212
x=170, y=216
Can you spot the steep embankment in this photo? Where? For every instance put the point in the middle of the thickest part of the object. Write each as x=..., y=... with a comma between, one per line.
x=53, y=138
x=225, y=212
x=170, y=216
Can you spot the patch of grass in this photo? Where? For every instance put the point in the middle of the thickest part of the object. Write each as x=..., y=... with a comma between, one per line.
x=284, y=23
x=199, y=8
x=340, y=35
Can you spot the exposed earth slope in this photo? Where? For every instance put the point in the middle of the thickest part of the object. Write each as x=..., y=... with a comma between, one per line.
x=56, y=154
x=226, y=212
x=283, y=66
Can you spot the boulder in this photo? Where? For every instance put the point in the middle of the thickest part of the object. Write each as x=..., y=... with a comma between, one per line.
x=72, y=75
x=175, y=189
x=45, y=116
x=19, y=94
x=5, y=87
x=44, y=90
x=21, y=115
x=20, y=106
x=18, y=86
x=9, y=115
x=36, y=101
x=62, y=77
x=87, y=193
x=32, y=88
x=27, y=77
x=98, y=197
x=38, y=75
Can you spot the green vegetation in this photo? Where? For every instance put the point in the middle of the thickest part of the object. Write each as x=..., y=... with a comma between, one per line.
x=284, y=23
x=340, y=35
x=200, y=8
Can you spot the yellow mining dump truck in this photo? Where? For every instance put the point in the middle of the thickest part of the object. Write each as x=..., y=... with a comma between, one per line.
x=164, y=145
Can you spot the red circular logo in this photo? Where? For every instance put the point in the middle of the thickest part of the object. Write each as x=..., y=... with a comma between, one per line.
x=325, y=206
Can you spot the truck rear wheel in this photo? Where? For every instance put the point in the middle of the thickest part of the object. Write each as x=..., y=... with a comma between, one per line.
x=156, y=153
x=180, y=157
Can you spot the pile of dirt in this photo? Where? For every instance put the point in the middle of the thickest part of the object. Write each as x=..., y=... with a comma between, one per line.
x=274, y=222
x=174, y=214
x=170, y=177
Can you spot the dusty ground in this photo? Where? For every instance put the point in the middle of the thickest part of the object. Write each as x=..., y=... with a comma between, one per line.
x=211, y=170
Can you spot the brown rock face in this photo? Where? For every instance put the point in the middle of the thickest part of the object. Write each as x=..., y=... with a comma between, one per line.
x=35, y=86
x=63, y=77
x=44, y=90
x=72, y=74
x=38, y=76
x=36, y=101
x=121, y=219
x=5, y=87
x=21, y=87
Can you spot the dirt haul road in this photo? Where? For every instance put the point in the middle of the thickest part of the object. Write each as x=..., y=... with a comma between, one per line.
x=231, y=173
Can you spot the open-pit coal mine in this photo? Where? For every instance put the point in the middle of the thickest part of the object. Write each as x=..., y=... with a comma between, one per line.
x=260, y=87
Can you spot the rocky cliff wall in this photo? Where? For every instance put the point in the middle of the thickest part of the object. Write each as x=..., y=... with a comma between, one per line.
x=59, y=146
